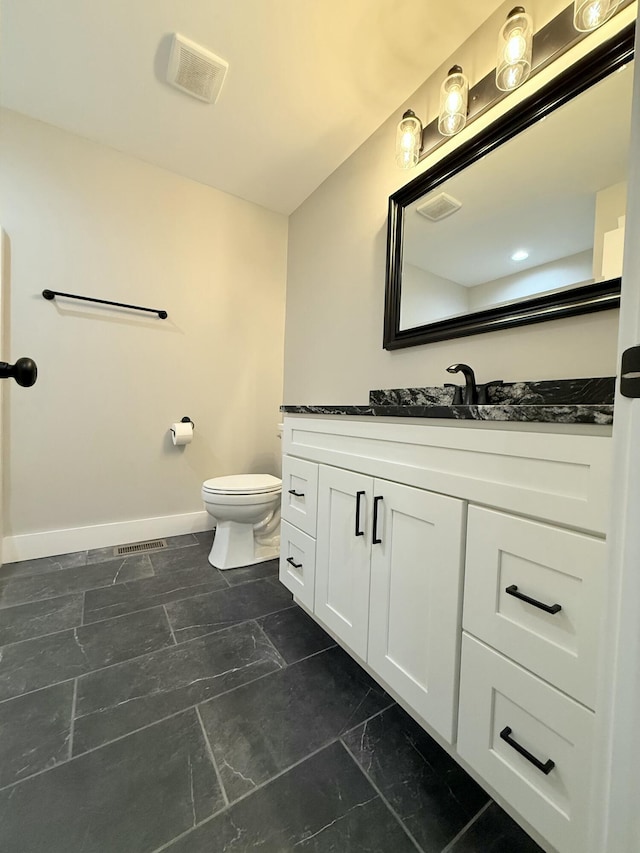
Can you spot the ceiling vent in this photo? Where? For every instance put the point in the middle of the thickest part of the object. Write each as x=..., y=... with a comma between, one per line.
x=439, y=207
x=195, y=70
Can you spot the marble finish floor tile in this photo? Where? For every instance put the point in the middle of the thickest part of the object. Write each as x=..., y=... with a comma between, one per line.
x=37, y=663
x=300, y=732
x=324, y=804
x=20, y=590
x=278, y=585
x=262, y=728
x=129, y=797
x=43, y=565
x=204, y=614
x=495, y=832
x=294, y=634
x=35, y=732
x=126, y=697
x=244, y=574
x=205, y=538
x=177, y=559
x=432, y=794
x=149, y=592
x=25, y=621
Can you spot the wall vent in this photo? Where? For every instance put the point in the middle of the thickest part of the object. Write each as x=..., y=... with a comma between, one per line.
x=139, y=547
x=439, y=207
x=195, y=70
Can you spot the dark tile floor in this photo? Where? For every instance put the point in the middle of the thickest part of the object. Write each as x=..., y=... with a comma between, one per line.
x=154, y=703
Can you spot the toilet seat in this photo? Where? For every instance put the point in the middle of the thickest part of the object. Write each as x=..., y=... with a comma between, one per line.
x=243, y=484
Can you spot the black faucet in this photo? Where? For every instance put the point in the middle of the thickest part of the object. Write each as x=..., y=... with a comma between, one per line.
x=470, y=396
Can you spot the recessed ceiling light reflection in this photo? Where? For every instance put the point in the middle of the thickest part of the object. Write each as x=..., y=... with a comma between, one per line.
x=520, y=255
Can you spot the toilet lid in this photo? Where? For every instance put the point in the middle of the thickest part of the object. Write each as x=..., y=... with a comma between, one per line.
x=243, y=484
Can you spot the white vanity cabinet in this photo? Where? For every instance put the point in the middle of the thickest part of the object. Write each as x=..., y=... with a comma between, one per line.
x=387, y=582
x=466, y=568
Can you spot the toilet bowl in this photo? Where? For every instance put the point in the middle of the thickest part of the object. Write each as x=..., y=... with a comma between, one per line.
x=246, y=508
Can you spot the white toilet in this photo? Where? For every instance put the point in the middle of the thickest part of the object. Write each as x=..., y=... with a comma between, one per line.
x=246, y=508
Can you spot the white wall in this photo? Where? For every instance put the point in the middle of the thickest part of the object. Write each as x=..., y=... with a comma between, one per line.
x=89, y=443
x=427, y=297
x=611, y=204
x=336, y=267
x=562, y=274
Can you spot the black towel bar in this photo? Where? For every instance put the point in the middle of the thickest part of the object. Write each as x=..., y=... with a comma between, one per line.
x=51, y=294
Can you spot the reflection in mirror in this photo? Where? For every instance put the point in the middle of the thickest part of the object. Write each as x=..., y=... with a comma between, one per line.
x=542, y=213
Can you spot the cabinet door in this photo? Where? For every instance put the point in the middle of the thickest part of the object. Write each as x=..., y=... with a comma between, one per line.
x=416, y=579
x=343, y=551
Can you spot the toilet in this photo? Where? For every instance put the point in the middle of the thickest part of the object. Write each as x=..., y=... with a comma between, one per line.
x=246, y=508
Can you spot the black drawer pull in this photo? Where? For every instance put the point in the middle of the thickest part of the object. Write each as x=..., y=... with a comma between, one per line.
x=548, y=608
x=296, y=494
x=292, y=562
x=545, y=768
x=376, y=501
x=358, y=499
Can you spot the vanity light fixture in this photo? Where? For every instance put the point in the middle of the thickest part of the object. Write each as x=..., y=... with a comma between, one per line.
x=515, y=48
x=590, y=14
x=408, y=140
x=520, y=255
x=454, y=102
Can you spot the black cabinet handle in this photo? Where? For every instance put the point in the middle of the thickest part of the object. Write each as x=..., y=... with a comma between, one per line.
x=376, y=501
x=296, y=494
x=548, y=608
x=292, y=562
x=358, y=499
x=545, y=768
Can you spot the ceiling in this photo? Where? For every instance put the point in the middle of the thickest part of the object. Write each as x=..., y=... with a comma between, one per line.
x=309, y=80
x=536, y=192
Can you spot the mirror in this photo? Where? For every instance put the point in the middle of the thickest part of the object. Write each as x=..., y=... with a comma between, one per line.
x=525, y=222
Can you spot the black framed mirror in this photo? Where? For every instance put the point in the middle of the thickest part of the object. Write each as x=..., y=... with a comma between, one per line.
x=522, y=223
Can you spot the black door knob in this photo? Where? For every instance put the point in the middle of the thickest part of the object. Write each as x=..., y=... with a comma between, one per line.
x=24, y=371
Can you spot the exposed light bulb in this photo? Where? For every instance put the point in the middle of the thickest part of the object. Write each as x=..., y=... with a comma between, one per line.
x=594, y=14
x=590, y=14
x=515, y=48
x=454, y=100
x=513, y=77
x=408, y=140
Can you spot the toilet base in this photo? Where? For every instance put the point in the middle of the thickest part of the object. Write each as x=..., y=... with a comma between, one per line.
x=235, y=546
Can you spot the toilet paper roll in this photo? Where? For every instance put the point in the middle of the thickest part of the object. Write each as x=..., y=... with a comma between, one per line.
x=182, y=433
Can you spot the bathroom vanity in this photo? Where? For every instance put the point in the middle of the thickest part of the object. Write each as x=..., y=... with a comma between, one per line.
x=463, y=564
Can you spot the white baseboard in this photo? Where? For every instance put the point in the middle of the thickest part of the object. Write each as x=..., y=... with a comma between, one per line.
x=48, y=543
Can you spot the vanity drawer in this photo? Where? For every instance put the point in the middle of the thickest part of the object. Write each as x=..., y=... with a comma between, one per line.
x=551, y=566
x=300, y=493
x=298, y=563
x=499, y=700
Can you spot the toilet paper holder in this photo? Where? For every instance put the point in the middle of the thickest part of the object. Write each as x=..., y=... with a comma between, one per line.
x=184, y=420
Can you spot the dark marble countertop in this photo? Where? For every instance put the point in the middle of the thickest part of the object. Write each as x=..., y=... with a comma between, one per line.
x=568, y=401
